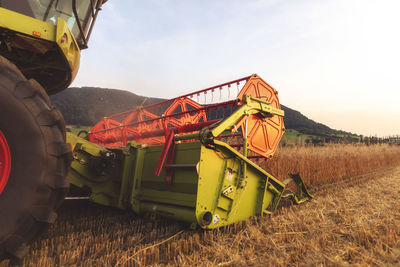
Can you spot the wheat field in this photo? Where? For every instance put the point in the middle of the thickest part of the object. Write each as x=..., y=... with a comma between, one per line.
x=353, y=219
x=331, y=162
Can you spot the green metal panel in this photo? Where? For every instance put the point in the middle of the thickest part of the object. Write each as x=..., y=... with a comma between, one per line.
x=226, y=193
x=176, y=200
x=26, y=25
x=215, y=188
x=105, y=186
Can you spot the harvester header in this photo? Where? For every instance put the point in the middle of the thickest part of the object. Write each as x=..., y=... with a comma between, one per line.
x=189, y=158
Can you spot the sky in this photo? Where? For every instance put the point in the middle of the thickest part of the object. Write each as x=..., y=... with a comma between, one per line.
x=335, y=61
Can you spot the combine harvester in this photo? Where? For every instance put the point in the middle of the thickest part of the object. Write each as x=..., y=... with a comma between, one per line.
x=190, y=158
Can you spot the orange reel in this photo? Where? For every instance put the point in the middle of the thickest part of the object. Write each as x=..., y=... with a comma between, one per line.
x=263, y=134
x=140, y=129
x=183, y=105
x=101, y=132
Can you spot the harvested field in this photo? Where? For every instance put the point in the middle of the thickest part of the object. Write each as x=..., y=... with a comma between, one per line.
x=354, y=220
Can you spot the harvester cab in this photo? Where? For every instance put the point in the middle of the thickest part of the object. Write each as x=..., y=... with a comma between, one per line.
x=40, y=44
x=43, y=38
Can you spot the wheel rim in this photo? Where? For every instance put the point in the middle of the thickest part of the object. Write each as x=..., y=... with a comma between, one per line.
x=5, y=162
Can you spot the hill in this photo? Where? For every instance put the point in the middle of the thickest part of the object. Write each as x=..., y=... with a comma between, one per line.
x=87, y=105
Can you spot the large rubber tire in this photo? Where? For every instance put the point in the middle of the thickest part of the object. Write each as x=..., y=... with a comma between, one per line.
x=40, y=158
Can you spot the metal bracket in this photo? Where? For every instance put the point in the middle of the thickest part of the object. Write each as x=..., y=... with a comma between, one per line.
x=167, y=153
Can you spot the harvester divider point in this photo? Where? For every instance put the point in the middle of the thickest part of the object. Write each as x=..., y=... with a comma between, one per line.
x=302, y=194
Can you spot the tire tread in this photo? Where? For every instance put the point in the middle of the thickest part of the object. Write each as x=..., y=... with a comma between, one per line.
x=59, y=156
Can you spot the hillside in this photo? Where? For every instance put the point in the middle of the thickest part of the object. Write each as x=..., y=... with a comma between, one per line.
x=87, y=105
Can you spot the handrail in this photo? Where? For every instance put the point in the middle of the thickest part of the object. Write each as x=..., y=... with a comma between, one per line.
x=94, y=12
